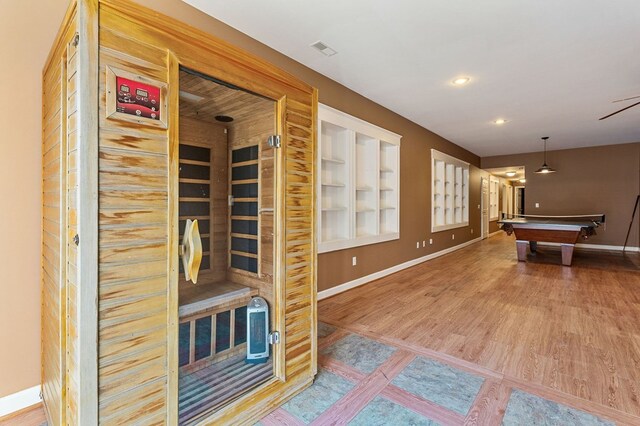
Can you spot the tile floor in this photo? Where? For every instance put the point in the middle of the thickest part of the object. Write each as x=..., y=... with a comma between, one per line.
x=364, y=382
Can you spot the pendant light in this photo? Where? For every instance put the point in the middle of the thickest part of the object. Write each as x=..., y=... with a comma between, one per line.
x=545, y=169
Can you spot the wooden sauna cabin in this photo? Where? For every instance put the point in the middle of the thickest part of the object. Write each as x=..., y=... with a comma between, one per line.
x=150, y=126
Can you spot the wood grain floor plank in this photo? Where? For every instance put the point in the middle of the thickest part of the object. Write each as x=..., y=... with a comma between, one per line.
x=489, y=405
x=30, y=416
x=571, y=330
x=422, y=406
x=281, y=418
x=341, y=369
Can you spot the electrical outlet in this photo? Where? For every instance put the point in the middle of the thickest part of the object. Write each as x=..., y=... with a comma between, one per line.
x=453, y=236
x=424, y=243
x=478, y=206
x=472, y=230
x=354, y=261
x=417, y=244
x=430, y=241
x=537, y=205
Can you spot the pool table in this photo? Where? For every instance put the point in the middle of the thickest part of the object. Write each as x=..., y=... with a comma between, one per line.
x=565, y=230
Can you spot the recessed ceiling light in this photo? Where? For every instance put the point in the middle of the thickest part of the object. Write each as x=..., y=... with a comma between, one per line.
x=223, y=118
x=500, y=121
x=523, y=180
x=510, y=174
x=461, y=81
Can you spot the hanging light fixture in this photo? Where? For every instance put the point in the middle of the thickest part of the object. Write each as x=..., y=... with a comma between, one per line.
x=545, y=169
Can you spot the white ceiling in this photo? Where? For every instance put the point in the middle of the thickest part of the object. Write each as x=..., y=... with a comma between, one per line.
x=502, y=172
x=551, y=68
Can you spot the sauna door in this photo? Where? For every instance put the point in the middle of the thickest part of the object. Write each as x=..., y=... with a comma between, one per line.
x=226, y=184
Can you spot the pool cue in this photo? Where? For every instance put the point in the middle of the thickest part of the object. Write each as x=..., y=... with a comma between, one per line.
x=633, y=216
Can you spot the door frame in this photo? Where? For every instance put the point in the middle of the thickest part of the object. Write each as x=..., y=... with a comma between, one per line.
x=278, y=304
x=484, y=203
x=517, y=199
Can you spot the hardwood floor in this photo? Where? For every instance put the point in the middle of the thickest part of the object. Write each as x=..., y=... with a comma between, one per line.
x=569, y=333
x=30, y=416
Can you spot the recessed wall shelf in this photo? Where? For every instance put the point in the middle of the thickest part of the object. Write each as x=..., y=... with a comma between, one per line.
x=494, y=185
x=366, y=158
x=333, y=160
x=450, y=177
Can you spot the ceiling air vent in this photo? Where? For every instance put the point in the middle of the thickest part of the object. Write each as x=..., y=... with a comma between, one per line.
x=323, y=48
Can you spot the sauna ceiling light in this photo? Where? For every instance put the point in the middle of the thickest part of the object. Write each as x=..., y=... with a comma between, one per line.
x=190, y=96
x=460, y=81
x=224, y=118
x=323, y=48
x=510, y=174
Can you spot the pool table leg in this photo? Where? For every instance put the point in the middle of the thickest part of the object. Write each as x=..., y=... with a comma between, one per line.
x=567, y=254
x=533, y=246
x=521, y=246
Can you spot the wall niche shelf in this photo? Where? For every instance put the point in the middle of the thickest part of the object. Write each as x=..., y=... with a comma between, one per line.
x=450, y=189
x=360, y=171
x=494, y=185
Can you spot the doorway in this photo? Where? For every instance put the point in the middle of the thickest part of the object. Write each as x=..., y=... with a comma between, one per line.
x=519, y=200
x=226, y=183
x=484, y=207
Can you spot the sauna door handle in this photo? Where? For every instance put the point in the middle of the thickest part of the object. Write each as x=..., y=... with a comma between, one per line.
x=191, y=250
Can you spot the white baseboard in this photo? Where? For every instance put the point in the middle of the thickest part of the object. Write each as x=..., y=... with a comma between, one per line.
x=371, y=277
x=19, y=400
x=594, y=247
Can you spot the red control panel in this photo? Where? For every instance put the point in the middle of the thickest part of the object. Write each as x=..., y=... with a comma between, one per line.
x=135, y=98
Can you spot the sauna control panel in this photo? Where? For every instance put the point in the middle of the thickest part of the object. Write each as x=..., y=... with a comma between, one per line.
x=136, y=98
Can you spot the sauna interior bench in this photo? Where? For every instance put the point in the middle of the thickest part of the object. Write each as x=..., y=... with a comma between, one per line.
x=211, y=297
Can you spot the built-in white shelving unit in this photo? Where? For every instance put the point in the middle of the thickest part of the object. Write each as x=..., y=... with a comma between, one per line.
x=359, y=183
x=450, y=183
x=494, y=208
x=334, y=180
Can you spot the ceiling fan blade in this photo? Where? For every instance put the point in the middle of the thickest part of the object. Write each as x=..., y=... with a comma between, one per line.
x=625, y=99
x=619, y=111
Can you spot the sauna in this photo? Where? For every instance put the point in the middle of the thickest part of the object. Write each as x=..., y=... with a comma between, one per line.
x=178, y=251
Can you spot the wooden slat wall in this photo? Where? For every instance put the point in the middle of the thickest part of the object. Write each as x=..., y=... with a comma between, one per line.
x=52, y=287
x=249, y=131
x=54, y=200
x=299, y=259
x=57, y=106
x=73, y=352
x=133, y=251
x=52, y=278
x=213, y=136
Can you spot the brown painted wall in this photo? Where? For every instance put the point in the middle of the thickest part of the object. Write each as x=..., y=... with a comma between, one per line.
x=20, y=180
x=493, y=226
x=20, y=163
x=604, y=179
